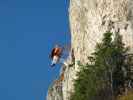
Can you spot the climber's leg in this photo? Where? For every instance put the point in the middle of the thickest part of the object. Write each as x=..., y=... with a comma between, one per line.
x=62, y=61
x=54, y=61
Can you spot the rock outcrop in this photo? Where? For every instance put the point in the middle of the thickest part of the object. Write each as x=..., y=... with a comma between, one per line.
x=89, y=19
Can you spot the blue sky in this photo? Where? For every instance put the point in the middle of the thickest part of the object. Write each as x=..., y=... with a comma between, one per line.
x=28, y=31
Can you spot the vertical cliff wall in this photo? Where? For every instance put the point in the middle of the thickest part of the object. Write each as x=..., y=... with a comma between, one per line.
x=89, y=19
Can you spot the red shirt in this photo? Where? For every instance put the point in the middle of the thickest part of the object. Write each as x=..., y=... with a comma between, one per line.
x=56, y=52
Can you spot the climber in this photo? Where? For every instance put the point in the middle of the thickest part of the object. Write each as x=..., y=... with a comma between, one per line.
x=58, y=55
x=55, y=55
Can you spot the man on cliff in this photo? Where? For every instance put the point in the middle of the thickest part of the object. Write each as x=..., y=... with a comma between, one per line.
x=58, y=55
x=55, y=55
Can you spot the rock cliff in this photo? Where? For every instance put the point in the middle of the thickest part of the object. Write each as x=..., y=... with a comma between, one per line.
x=89, y=19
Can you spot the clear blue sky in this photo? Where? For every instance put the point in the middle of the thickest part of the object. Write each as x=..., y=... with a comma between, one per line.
x=28, y=31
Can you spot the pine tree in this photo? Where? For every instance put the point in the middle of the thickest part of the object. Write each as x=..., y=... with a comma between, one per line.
x=119, y=65
x=102, y=78
x=92, y=77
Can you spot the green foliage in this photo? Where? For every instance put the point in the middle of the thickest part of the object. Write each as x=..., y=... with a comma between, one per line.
x=84, y=85
x=105, y=73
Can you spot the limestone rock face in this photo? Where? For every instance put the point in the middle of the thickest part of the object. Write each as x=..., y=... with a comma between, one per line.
x=89, y=19
x=55, y=92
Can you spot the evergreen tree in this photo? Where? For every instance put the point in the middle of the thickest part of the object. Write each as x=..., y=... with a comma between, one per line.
x=92, y=77
x=119, y=65
x=105, y=74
